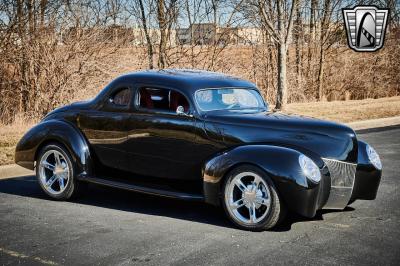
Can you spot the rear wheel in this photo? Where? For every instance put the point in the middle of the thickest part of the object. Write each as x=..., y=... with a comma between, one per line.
x=251, y=200
x=56, y=173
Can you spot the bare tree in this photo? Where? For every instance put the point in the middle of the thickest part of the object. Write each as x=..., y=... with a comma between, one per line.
x=314, y=7
x=55, y=51
x=166, y=16
x=139, y=11
x=49, y=48
x=282, y=16
x=221, y=36
x=298, y=41
x=328, y=36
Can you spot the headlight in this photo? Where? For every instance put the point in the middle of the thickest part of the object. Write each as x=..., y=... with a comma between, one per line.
x=374, y=157
x=310, y=169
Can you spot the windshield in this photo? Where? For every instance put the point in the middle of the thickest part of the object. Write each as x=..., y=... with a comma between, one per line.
x=229, y=99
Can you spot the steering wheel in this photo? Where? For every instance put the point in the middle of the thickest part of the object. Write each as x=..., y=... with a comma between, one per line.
x=236, y=104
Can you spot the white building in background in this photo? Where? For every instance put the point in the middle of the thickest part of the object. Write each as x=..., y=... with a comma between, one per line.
x=183, y=36
x=139, y=37
x=202, y=34
x=209, y=33
x=197, y=34
x=248, y=36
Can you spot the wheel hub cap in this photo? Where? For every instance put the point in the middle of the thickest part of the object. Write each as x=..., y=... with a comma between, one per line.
x=248, y=198
x=252, y=196
x=54, y=173
x=59, y=170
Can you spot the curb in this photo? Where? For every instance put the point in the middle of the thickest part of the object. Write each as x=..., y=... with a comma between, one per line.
x=14, y=170
x=376, y=129
x=373, y=124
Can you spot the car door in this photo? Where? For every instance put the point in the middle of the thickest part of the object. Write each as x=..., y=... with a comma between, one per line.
x=106, y=127
x=162, y=143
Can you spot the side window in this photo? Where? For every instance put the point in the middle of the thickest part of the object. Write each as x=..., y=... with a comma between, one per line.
x=122, y=97
x=162, y=99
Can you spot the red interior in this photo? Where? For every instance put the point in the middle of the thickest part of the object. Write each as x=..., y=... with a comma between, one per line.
x=145, y=99
x=177, y=99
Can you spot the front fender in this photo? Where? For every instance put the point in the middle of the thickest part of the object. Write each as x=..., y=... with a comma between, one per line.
x=54, y=130
x=280, y=164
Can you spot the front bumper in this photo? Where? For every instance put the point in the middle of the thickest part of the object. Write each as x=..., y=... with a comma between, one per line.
x=366, y=182
x=342, y=175
x=350, y=182
x=362, y=182
x=367, y=177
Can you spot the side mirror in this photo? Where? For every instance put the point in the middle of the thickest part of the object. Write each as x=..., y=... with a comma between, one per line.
x=180, y=110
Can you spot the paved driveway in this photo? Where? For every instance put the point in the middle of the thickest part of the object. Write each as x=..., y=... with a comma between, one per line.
x=120, y=228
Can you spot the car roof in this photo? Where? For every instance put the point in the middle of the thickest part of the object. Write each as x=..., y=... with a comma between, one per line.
x=187, y=80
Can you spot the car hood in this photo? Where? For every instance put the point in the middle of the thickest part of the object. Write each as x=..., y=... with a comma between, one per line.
x=323, y=138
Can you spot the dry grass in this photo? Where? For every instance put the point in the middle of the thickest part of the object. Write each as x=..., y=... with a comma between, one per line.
x=343, y=111
x=9, y=136
x=349, y=111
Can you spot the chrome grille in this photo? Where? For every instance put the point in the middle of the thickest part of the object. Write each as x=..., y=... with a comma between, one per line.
x=342, y=182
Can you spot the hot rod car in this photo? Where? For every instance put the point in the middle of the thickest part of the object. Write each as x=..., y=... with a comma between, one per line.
x=202, y=136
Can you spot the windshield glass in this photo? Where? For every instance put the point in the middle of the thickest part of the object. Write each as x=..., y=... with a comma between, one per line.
x=229, y=99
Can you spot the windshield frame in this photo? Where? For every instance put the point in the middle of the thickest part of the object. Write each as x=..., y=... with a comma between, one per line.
x=264, y=107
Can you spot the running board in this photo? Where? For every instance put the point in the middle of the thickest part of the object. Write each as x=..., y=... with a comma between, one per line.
x=143, y=189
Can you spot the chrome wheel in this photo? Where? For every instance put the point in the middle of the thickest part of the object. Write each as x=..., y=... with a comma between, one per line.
x=248, y=198
x=54, y=172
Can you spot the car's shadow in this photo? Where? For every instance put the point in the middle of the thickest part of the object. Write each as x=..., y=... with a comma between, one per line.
x=145, y=204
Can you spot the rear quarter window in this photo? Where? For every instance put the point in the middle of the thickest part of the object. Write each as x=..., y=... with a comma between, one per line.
x=122, y=97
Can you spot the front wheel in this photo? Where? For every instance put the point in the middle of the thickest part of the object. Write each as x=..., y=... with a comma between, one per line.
x=56, y=173
x=251, y=200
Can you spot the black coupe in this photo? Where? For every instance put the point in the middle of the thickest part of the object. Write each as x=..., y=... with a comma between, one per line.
x=203, y=136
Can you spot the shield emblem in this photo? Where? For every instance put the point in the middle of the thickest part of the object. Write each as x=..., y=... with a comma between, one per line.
x=365, y=27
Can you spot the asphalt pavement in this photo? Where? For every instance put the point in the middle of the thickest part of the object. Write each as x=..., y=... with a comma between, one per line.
x=113, y=227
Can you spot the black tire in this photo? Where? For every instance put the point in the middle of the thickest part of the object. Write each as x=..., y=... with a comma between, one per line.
x=276, y=212
x=73, y=187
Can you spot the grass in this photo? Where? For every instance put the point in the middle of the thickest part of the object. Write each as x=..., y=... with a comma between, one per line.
x=348, y=111
x=339, y=111
x=9, y=136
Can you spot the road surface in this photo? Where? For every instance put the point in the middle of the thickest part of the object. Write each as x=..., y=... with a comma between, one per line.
x=122, y=228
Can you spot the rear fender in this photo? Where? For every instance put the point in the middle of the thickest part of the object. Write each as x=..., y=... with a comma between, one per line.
x=58, y=131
